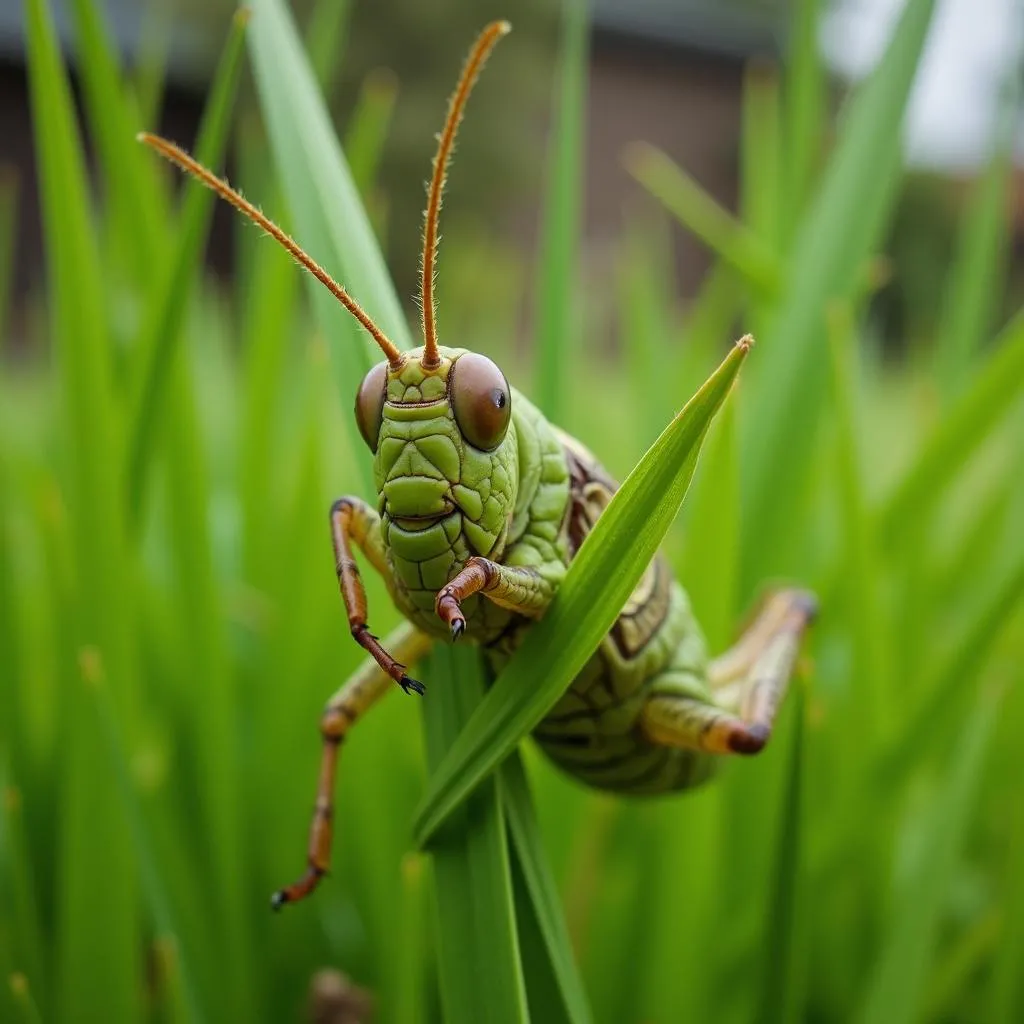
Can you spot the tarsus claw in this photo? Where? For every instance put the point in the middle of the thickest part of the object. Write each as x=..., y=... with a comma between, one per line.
x=458, y=628
x=412, y=685
x=278, y=900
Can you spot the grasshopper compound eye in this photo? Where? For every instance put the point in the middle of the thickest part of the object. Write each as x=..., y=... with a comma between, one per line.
x=481, y=400
x=370, y=404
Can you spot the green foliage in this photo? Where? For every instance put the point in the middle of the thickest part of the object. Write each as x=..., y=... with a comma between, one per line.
x=170, y=625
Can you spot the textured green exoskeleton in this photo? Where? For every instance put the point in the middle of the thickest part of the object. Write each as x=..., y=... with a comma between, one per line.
x=482, y=504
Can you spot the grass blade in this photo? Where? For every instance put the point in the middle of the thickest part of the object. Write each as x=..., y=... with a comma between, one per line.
x=944, y=694
x=562, y=215
x=968, y=423
x=368, y=128
x=409, y=1002
x=898, y=980
x=785, y=939
x=316, y=179
x=21, y=934
x=160, y=908
x=601, y=577
x=839, y=230
x=149, y=76
x=709, y=563
x=478, y=946
x=94, y=981
x=761, y=173
x=863, y=570
x=805, y=93
x=326, y=35
x=1006, y=994
x=162, y=330
x=730, y=239
x=550, y=951
x=973, y=293
x=134, y=215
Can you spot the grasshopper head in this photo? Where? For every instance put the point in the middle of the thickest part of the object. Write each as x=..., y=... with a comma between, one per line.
x=444, y=443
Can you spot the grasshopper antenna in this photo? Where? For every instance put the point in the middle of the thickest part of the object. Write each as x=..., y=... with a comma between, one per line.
x=446, y=140
x=178, y=156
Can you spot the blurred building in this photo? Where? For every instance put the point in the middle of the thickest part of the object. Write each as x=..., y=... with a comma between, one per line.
x=665, y=71
x=670, y=72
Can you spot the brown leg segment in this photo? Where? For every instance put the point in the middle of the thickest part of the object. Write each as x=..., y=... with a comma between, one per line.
x=353, y=520
x=356, y=697
x=520, y=588
x=748, y=683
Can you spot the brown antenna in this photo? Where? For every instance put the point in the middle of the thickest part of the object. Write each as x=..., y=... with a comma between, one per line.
x=178, y=156
x=477, y=56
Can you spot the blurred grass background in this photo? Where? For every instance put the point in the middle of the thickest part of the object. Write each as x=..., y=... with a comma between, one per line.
x=170, y=626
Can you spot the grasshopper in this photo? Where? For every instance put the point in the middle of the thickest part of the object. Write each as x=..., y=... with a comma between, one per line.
x=481, y=506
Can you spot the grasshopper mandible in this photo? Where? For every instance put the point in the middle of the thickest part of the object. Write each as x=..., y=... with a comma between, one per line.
x=482, y=504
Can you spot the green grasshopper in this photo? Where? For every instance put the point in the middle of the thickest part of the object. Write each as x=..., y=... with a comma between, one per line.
x=481, y=506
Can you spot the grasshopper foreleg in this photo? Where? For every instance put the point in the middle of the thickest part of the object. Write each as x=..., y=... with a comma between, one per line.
x=353, y=520
x=520, y=588
x=352, y=700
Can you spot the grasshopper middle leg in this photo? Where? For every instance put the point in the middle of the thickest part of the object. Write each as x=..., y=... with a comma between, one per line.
x=352, y=700
x=747, y=684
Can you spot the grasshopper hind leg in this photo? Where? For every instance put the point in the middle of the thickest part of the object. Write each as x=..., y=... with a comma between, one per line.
x=369, y=683
x=746, y=685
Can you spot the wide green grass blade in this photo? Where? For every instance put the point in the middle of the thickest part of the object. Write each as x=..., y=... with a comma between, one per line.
x=477, y=942
x=600, y=579
x=977, y=279
x=316, y=179
x=94, y=981
x=840, y=228
x=161, y=332
x=730, y=239
x=898, y=979
x=561, y=224
x=268, y=312
x=968, y=423
x=554, y=988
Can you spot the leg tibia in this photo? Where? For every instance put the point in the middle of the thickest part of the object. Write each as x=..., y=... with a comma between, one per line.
x=357, y=696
